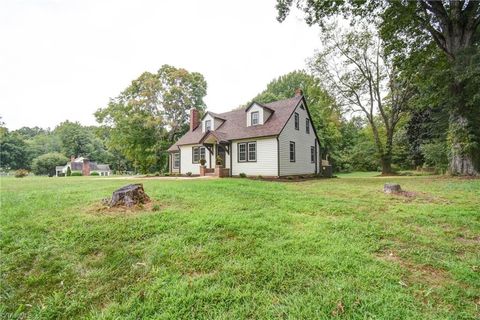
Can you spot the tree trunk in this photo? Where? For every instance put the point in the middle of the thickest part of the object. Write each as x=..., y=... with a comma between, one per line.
x=464, y=160
x=386, y=165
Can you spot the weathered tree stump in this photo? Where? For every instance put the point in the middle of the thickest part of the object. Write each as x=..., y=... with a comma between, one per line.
x=128, y=196
x=391, y=188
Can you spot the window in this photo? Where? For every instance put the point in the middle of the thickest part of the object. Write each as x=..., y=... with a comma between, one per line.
x=252, y=151
x=297, y=121
x=247, y=152
x=197, y=154
x=307, y=123
x=208, y=125
x=302, y=107
x=176, y=160
x=292, y=151
x=255, y=118
x=312, y=154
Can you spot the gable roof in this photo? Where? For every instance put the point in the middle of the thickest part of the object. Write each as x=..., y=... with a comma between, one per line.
x=259, y=104
x=214, y=115
x=235, y=125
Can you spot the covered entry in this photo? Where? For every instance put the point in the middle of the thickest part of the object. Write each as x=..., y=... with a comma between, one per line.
x=220, y=150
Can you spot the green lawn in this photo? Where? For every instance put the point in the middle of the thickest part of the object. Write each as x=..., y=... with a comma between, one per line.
x=237, y=248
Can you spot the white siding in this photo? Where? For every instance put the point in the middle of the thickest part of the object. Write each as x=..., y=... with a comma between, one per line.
x=266, y=164
x=303, y=142
x=208, y=117
x=186, y=164
x=261, y=114
x=214, y=121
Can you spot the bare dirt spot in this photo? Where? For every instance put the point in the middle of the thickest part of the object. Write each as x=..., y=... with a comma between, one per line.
x=472, y=240
x=409, y=196
x=150, y=207
x=416, y=273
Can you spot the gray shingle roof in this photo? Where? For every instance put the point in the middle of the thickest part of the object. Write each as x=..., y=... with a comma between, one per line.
x=235, y=125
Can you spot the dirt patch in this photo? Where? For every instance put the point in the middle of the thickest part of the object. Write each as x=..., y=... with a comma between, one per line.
x=416, y=273
x=473, y=240
x=408, y=196
x=152, y=206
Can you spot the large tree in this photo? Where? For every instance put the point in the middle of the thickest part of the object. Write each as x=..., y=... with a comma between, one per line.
x=352, y=65
x=151, y=113
x=408, y=27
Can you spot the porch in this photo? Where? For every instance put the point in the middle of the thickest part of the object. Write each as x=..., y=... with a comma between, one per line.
x=220, y=150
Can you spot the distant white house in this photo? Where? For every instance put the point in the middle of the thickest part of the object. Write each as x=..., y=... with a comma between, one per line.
x=274, y=139
x=85, y=166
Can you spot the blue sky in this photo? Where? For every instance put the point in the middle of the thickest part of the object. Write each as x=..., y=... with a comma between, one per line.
x=63, y=59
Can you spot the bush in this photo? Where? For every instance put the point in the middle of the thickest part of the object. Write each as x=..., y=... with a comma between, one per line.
x=259, y=177
x=94, y=174
x=69, y=172
x=76, y=174
x=167, y=174
x=46, y=163
x=189, y=174
x=20, y=173
x=242, y=175
x=202, y=162
x=436, y=155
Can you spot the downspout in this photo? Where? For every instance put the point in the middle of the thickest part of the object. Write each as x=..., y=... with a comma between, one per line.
x=278, y=157
x=230, y=155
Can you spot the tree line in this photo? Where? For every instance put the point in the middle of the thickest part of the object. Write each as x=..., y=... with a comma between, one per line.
x=396, y=88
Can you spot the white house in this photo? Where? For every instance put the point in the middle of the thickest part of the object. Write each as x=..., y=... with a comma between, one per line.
x=85, y=166
x=274, y=139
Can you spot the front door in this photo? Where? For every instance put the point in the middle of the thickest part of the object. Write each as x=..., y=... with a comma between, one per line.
x=221, y=154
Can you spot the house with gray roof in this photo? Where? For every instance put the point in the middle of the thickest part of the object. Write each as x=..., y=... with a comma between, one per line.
x=273, y=140
x=83, y=165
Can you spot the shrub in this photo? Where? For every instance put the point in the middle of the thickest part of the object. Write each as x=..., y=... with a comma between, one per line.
x=436, y=155
x=167, y=174
x=20, y=173
x=189, y=174
x=259, y=177
x=76, y=174
x=46, y=163
x=242, y=175
x=94, y=174
x=69, y=172
x=202, y=162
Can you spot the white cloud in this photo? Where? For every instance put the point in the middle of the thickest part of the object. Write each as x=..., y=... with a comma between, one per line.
x=64, y=59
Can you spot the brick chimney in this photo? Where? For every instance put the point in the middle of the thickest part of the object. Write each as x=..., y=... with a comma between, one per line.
x=86, y=167
x=298, y=92
x=194, y=118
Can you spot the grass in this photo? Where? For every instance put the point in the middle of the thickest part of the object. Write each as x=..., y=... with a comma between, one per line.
x=237, y=248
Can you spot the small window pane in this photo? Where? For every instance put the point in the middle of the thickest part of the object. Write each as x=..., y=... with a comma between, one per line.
x=242, y=152
x=202, y=153
x=176, y=160
x=208, y=125
x=312, y=154
x=297, y=121
x=255, y=118
x=196, y=155
x=252, y=151
x=292, y=151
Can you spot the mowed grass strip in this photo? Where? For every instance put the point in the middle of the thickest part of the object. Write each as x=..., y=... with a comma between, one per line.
x=237, y=248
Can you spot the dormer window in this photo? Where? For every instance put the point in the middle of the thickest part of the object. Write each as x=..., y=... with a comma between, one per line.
x=255, y=118
x=208, y=125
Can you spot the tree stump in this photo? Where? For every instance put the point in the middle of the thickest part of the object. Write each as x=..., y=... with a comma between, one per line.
x=391, y=188
x=128, y=196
